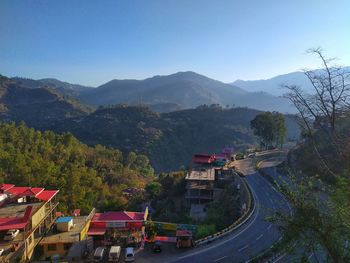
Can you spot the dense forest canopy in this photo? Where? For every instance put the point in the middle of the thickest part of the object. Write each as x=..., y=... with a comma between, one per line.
x=86, y=176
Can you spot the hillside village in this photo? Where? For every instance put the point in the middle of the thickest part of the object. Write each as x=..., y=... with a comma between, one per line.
x=32, y=227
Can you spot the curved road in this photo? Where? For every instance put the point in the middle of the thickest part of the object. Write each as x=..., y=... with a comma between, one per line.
x=255, y=235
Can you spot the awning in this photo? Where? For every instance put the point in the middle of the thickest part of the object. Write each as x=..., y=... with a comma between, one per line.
x=96, y=231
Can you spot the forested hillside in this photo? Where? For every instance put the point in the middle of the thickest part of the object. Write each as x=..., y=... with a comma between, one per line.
x=41, y=107
x=169, y=139
x=86, y=176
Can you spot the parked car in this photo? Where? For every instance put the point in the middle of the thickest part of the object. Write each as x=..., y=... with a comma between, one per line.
x=11, y=234
x=251, y=155
x=114, y=253
x=157, y=247
x=99, y=254
x=129, y=254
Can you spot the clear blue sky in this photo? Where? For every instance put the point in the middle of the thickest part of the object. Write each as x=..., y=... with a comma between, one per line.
x=91, y=42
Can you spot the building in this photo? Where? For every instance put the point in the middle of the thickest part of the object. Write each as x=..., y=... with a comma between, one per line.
x=202, y=159
x=204, y=183
x=200, y=184
x=67, y=237
x=118, y=228
x=31, y=211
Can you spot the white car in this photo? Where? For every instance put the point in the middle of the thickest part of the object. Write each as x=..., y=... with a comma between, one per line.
x=129, y=254
x=11, y=234
x=1, y=251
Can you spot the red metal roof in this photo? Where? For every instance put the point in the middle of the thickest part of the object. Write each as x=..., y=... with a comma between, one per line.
x=7, y=223
x=76, y=212
x=5, y=187
x=18, y=190
x=203, y=158
x=11, y=223
x=31, y=192
x=119, y=216
x=47, y=195
x=58, y=214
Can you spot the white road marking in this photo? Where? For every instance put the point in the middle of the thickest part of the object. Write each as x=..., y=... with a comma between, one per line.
x=216, y=260
x=242, y=248
x=259, y=237
x=233, y=236
x=279, y=258
x=268, y=228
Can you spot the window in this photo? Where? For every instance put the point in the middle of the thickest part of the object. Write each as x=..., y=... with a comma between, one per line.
x=51, y=247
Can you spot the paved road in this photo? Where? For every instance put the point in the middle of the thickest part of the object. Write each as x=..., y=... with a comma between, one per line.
x=269, y=167
x=254, y=236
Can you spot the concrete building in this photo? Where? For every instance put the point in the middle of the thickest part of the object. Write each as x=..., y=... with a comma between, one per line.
x=200, y=184
x=67, y=237
x=31, y=211
x=204, y=183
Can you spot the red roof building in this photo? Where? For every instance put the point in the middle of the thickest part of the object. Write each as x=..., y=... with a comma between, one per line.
x=76, y=212
x=5, y=187
x=120, y=220
x=29, y=210
x=203, y=159
x=119, y=216
x=47, y=195
x=110, y=227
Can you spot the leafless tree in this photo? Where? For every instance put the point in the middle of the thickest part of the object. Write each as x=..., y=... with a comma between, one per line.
x=328, y=102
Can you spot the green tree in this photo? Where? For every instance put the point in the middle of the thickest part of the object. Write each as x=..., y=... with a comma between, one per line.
x=150, y=230
x=153, y=189
x=86, y=176
x=270, y=128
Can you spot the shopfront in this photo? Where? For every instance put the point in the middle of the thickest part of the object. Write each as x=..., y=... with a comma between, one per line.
x=118, y=228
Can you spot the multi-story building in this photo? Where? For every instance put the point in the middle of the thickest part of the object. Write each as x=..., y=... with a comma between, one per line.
x=200, y=185
x=29, y=213
x=205, y=181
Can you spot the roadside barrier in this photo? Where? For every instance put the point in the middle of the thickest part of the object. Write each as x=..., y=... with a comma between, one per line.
x=278, y=249
x=239, y=222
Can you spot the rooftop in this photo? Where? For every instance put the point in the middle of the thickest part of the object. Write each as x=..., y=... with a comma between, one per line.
x=207, y=174
x=12, y=216
x=203, y=158
x=66, y=237
x=64, y=219
x=118, y=216
x=17, y=192
x=19, y=203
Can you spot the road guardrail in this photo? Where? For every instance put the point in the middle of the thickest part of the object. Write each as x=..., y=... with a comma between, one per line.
x=238, y=223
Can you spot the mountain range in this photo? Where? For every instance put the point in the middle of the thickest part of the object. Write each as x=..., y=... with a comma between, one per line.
x=168, y=139
x=182, y=90
x=273, y=85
